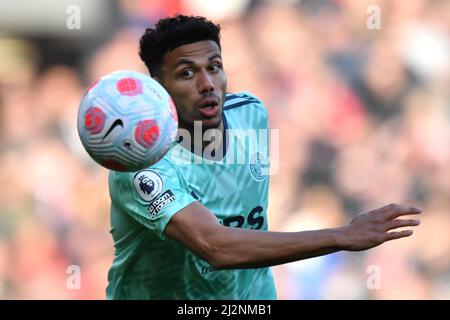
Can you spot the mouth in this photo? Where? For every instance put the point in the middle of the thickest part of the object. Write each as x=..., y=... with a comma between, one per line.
x=209, y=107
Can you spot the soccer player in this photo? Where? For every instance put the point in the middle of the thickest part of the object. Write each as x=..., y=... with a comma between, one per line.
x=194, y=225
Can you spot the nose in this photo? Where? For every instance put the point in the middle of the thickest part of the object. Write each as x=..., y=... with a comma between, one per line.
x=205, y=83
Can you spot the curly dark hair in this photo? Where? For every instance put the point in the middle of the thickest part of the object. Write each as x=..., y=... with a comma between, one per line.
x=172, y=32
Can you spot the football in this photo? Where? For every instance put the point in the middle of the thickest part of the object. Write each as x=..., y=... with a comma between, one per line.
x=127, y=121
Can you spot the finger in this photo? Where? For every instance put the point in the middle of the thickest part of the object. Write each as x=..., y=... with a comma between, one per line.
x=398, y=234
x=403, y=211
x=394, y=224
x=388, y=207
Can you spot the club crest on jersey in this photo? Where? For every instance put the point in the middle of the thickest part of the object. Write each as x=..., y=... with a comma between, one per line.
x=148, y=184
x=259, y=167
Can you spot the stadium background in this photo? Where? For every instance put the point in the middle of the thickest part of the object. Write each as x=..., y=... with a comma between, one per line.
x=363, y=117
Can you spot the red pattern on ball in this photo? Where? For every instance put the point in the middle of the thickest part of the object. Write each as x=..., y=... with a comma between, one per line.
x=146, y=133
x=129, y=86
x=114, y=165
x=91, y=86
x=173, y=110
x=94, y=120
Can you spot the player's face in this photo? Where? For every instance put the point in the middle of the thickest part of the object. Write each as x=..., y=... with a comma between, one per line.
x=193, y=75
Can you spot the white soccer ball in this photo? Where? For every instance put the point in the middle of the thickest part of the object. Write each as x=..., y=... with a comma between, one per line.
x=127, y=121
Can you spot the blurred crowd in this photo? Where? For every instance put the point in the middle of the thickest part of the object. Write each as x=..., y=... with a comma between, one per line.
x=364, y=120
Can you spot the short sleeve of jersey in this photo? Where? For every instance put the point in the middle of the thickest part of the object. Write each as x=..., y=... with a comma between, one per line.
x=151, y=196
x=262, y=118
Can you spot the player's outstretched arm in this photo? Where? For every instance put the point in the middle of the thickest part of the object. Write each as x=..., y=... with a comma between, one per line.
x=228, y=248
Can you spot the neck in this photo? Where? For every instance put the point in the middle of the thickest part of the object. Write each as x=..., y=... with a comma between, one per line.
x=196, y=138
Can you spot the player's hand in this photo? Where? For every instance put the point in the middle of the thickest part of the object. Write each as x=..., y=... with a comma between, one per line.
x=370, y=229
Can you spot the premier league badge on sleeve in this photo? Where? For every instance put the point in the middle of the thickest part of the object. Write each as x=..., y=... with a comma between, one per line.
x=148, y=184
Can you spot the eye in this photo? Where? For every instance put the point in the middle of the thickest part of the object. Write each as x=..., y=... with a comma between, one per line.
x=215, y=67
x=187, y=74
